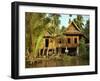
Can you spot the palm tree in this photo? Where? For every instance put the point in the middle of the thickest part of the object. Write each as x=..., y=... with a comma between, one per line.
x=70, y=15
x=35, y=22
x=79, y=21
x=36, y=26
x=54, y=27
x=86, y=29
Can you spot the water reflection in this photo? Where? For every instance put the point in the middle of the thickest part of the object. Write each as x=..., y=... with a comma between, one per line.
x=53, y=62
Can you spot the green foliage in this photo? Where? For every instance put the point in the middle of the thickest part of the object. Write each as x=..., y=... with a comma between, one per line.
x=82, y=47
x=63, y=28
x=39, y=39
x=37, y=24
x=83, y=50
x=79, y=21
x=70, y=15
x=86, y=29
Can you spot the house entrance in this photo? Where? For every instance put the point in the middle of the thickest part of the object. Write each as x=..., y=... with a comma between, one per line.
x=46, y=42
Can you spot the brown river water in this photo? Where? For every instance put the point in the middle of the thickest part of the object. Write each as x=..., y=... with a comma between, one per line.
x=69, y=61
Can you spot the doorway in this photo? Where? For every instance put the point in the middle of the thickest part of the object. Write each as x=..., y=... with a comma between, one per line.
x=46, y=42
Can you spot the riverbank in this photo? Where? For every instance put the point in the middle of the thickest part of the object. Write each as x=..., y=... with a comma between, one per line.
x=55, y=61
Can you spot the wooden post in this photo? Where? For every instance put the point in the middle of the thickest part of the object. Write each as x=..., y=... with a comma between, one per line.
x=47, y=51
x=43, y=51
x=77, y=51
x=39, y=52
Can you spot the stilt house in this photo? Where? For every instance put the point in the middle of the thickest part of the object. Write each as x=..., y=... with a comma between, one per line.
x=58, y=44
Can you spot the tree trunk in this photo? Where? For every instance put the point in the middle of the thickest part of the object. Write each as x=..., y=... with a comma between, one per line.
x=55, y=51
x=30, y=44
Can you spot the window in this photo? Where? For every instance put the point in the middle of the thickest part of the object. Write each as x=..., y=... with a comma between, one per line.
x=46, y=42
x=68, y=40
x=75, y=40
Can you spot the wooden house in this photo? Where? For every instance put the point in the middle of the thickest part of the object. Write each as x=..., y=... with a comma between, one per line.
x=58, y=44
x=72, y=36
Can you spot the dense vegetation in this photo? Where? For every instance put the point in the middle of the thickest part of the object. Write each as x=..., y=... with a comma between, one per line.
x=39, y=23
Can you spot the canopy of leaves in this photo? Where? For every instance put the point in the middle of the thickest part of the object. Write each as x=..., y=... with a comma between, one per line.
x=37, y=24
x=86, y=29
x=79, y=21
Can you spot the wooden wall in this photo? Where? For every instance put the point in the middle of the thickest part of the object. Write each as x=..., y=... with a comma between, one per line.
x=72, y=41
x=54, y=43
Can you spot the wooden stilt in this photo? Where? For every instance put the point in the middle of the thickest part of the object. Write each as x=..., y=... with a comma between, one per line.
x=39, y=52
x=47, y=51
x=77, y=51
x=43, y=51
